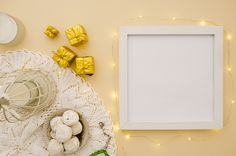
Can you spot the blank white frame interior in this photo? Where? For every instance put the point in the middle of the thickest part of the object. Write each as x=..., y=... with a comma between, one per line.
x=171, y=77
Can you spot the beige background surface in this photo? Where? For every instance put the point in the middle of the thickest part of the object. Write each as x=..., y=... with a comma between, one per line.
x=102, y=18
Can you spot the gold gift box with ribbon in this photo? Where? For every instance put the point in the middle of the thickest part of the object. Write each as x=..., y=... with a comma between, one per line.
x=64, y=56
x=76, y=35
x=85, y=65
x=51, y=32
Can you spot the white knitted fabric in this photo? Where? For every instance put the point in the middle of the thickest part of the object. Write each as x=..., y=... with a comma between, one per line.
x=26, y=138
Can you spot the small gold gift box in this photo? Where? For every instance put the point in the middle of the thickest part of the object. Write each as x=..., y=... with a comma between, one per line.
x=76, y=35
x=64, y=56
x=51, y=32
x=60, y=61
x=85, y=65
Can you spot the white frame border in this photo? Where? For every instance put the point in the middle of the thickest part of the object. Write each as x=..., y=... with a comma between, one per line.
x=217, y=32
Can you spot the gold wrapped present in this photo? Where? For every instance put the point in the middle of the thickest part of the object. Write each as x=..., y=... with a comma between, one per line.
x=85, y=65
x=60, y=61
x=51, y=32
x=66, y=53
x=76, y=35
x=64, y=56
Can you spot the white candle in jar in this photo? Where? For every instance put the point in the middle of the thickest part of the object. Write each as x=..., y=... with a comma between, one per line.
x=9, y=29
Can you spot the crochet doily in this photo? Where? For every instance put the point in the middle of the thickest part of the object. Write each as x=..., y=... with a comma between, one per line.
x=25, y=138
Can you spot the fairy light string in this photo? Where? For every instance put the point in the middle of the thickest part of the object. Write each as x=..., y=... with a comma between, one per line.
x=229, y=72
x=115, y=76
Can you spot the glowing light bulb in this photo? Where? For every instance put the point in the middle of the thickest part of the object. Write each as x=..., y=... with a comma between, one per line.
x=140, y=16
x=159, y=144
x=114, y=34
x=233, y=101
x=229, y=69
x=59, y=72
x=116, y=128
x=202, y=23
x=173, y=18
x=127, y=136
x=189, y=138
x=114, y=95
x=113, y=64
x=229, y=37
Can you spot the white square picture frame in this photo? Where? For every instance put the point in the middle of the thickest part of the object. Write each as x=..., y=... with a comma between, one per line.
x=171, y=77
